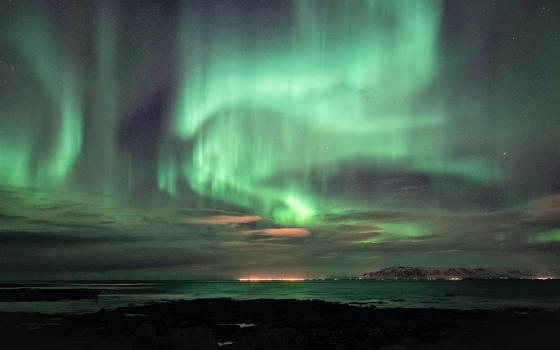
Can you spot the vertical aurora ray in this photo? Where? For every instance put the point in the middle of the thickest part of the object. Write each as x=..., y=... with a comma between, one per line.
x=101, y=144
x=68, y=142
x=42, y=133
x=68, y=136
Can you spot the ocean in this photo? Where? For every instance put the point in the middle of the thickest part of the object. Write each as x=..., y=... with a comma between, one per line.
x=465, y=294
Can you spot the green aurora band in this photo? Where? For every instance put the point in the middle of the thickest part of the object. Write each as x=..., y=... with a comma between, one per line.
x=43, y=134
x=342, y=83
x=261, y=121
x=56, y=94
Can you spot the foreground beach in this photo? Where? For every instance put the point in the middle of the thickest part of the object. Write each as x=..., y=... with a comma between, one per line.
x=280, y=324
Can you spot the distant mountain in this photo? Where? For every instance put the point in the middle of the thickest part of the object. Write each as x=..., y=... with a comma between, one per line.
x=436, y=273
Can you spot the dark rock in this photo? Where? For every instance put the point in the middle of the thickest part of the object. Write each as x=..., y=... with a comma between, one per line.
x=281, y=324
x=275, y=339
x=106, y=346
x=392, y=347
x=144, y=338
x=193, y=338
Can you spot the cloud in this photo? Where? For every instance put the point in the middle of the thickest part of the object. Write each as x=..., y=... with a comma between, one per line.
x=546, y=209
x=546, y=236
x=446, y=251
x=368, y=216
x=358, y=237
x=253, y=246
x=223, y=220
x=283, y=232
x=105, y=259
x=357, y=228
x=47, y=239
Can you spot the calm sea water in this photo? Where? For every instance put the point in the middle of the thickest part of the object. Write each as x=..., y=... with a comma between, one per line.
x=469, y=294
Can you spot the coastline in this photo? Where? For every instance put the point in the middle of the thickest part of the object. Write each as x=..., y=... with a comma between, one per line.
x=90, y=296
x=280, y=324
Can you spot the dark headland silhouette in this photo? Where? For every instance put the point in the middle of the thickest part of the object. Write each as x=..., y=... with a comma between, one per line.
x=452, y=273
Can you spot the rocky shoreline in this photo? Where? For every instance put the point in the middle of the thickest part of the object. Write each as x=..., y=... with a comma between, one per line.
x=280, y=324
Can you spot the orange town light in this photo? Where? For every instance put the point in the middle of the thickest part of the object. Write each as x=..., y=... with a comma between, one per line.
x=264, y=279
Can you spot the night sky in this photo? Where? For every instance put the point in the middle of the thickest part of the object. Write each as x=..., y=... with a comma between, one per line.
x=229, y=138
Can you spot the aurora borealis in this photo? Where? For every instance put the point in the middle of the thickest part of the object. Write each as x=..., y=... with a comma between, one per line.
x=312, y=138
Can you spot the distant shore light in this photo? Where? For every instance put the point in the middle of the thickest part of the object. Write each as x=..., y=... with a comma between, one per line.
x=265, y=279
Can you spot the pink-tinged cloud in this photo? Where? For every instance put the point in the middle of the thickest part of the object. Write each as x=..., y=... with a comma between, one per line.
x=255, y=245
x=546, y=209
x=223, y=220
x=284, y=232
